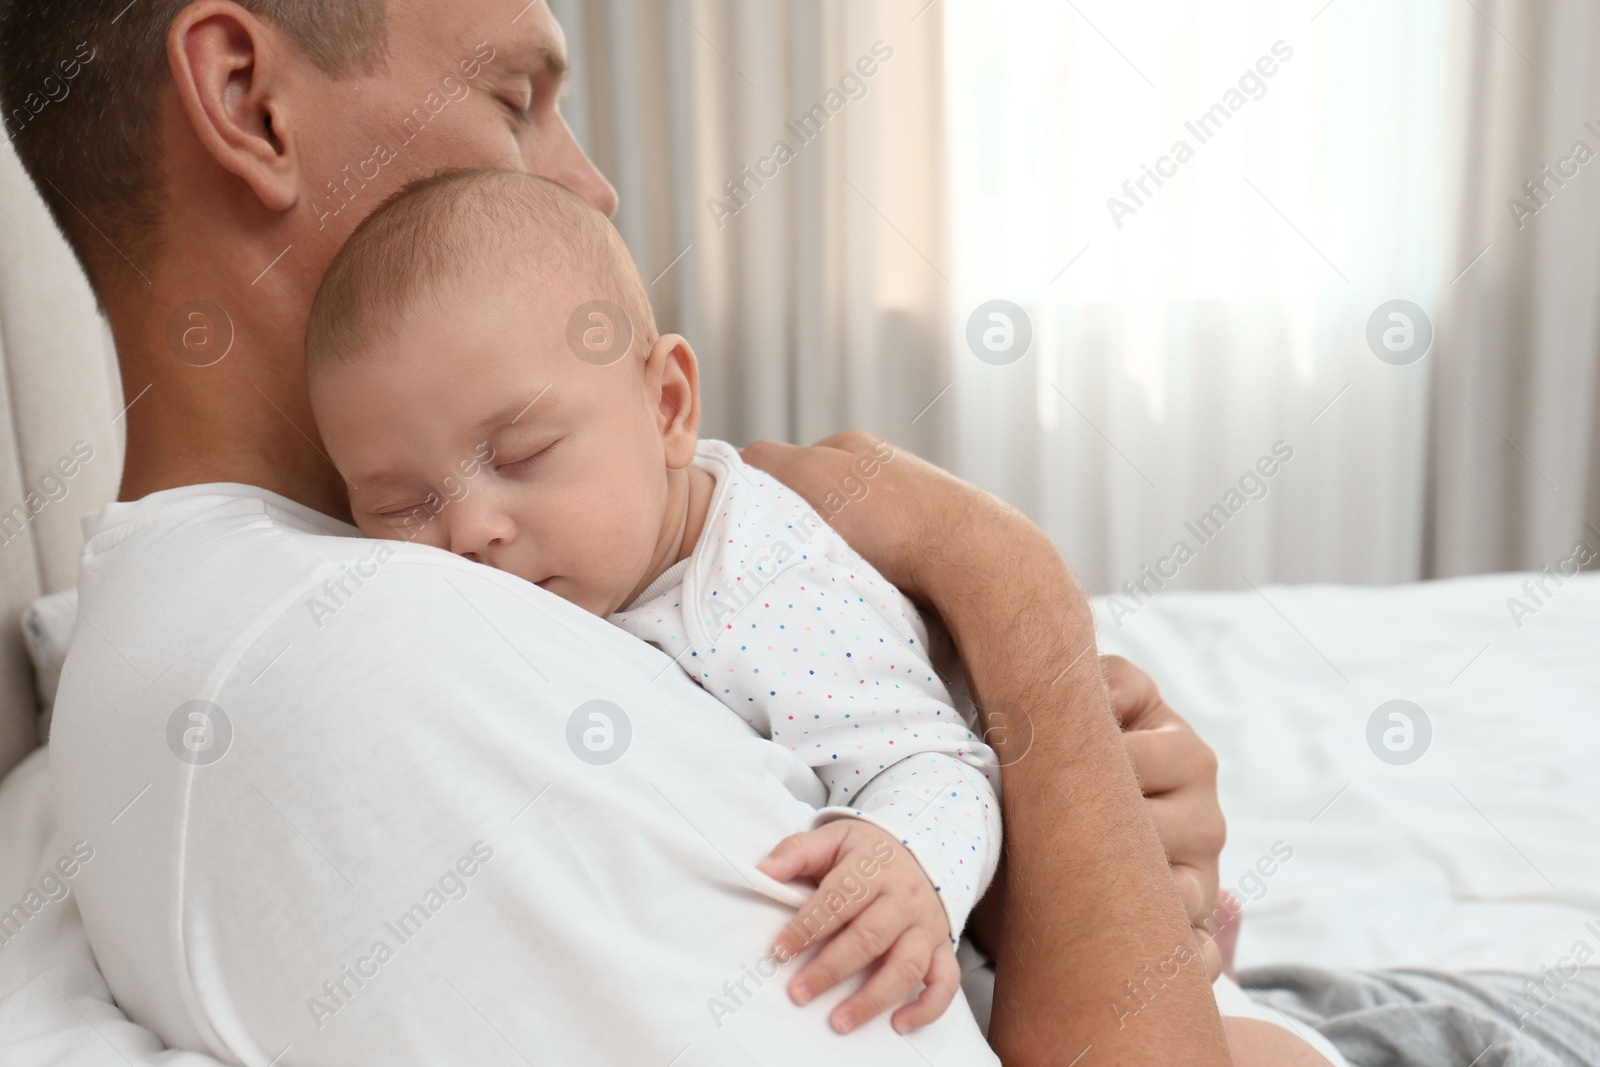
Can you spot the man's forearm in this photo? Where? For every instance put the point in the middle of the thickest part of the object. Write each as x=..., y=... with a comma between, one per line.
x=1094, y=948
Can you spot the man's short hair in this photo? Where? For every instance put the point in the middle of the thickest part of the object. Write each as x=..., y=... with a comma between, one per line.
x=80, y=84
x=450, y=228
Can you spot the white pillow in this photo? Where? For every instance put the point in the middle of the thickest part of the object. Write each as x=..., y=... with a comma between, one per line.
x=47, y=629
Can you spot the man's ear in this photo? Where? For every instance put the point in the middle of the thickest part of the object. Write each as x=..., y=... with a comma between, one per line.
x=228, y=67
x=673, y=374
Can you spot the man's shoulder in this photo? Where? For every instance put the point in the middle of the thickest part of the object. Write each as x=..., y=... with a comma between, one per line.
x=205, y=564
x=198, y=593
x=240, y=553
x=221, y=537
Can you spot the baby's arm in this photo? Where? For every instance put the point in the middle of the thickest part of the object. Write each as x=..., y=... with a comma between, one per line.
x=829, y=659
x=869, y=714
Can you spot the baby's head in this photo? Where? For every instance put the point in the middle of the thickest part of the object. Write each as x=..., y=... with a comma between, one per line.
x=485, y=373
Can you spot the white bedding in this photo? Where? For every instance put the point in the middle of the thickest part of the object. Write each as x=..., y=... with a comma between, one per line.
x=1483, y=853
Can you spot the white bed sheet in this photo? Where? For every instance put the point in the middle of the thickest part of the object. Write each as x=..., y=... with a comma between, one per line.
x=1483, y=853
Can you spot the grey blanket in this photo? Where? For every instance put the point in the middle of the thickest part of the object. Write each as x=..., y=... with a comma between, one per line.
x=1421, y=1018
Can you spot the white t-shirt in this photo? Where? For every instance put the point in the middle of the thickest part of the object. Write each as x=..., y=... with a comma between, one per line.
x=774, y=615
x=399, y=841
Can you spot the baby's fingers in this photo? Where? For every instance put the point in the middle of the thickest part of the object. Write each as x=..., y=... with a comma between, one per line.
x=812, y=853
x=864, y=940
x=942, y=981
x=902, y=971
x=839, y=898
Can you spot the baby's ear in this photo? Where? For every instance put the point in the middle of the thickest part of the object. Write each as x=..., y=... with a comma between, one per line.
x=673, y=375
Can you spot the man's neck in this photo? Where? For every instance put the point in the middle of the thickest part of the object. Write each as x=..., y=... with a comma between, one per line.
x=154, y=464
x=245, y=418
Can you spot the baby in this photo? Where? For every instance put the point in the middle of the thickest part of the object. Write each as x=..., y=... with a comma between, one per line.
x=486, y=374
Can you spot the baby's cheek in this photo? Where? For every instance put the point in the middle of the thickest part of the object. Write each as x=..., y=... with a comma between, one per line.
x=621, y=551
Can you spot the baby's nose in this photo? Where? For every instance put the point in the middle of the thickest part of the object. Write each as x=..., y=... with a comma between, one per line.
x=480, y=533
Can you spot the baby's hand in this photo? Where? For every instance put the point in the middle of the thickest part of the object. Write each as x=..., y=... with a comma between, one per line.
x=875, y=903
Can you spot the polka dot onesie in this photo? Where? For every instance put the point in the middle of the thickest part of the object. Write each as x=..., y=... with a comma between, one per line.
x=783, y=622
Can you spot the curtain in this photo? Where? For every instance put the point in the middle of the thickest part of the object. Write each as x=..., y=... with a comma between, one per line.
x=780, y=169
x=1515, y=443
x=1136, y=267
x=1198, y=206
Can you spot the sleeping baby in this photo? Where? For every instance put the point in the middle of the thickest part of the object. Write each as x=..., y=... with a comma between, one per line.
x=486, y=373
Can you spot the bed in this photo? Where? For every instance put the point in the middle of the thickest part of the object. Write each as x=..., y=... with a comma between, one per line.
x=1482, y=852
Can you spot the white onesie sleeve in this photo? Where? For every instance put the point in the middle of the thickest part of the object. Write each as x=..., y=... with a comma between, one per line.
x=787, y=625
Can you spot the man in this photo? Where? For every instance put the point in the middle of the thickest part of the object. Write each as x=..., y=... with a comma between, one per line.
x=319, y=862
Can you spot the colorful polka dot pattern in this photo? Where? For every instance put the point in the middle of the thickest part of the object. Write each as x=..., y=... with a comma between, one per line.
x=787, y=625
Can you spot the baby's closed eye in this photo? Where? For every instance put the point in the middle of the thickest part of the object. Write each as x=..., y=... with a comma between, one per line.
x=523, y=459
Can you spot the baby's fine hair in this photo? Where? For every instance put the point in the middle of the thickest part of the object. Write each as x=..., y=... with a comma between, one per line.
x=450, y=227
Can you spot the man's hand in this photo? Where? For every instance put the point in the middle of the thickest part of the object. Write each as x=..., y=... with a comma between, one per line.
x=1178, y=774
x=890, y=913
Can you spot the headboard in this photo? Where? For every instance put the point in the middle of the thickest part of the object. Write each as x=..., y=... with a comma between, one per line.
x=58, y=387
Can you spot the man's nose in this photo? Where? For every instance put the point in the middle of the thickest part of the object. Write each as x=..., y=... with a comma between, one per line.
x=577, y=172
